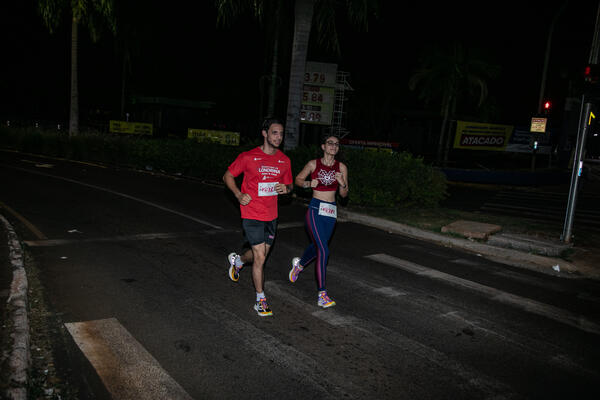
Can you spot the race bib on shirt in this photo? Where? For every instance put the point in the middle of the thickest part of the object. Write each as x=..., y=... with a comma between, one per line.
x=328, y=210
x=267, y=189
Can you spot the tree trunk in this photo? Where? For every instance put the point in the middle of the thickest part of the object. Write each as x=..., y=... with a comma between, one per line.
x=446, y=111
x=449, y=136
x=74, y=115
x=303, y=15
x=123, y=83
x=273, y=82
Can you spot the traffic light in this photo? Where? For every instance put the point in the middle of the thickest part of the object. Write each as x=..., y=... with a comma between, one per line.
x=591, y=73
x=547, y=106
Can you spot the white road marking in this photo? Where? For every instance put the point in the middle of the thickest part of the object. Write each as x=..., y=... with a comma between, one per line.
x=126, y=369
x=548, y=311
x=287, y=225
x=464, y=261
x=148, y=203
x=124, y=238
x=545, y=351
x=491, y=388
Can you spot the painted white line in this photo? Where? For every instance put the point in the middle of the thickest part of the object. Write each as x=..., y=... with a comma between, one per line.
x=489, y=387
x=544, y=350
x=141, y=236
x=464, y=261
x=126, y=369
x=535, y=307
x=148, y=203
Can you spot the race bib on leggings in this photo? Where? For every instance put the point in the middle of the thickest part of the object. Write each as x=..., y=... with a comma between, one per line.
x=267, y=189
x=328, y=210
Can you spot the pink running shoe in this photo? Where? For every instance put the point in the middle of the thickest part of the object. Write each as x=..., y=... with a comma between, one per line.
x=295, y=271
x=324, y=300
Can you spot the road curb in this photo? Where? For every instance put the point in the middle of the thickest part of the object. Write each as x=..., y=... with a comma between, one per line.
x=19, y=360
x=515, y=258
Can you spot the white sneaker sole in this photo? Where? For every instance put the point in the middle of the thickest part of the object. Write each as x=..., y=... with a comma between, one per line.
x=231, y=260
x=262, y=315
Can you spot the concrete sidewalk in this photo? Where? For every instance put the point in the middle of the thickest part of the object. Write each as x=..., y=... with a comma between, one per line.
x=515, y=250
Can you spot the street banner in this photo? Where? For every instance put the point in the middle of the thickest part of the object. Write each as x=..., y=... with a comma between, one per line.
x=481, y=136
x=227, y=138
x=134, y=128
x=370, y=145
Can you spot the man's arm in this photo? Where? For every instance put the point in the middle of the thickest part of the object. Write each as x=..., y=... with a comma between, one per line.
x=229, y=179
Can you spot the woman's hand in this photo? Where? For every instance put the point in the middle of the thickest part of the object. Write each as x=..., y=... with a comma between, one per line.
x=314, y=183
x=280, y=188
x=340, y=179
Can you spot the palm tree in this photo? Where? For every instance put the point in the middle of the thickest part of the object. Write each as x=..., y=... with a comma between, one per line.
x=451, y=74
x=90, y=13
x=308, y=14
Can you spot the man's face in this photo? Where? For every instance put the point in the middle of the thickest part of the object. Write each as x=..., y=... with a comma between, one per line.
x=274, y=135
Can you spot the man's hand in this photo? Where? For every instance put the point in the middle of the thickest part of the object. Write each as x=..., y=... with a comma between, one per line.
x=244, y=198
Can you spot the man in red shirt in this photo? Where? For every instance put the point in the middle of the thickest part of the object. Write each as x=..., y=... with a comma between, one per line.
x=267, y=173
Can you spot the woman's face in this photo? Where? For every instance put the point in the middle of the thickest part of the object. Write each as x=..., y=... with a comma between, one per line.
x=331, y=145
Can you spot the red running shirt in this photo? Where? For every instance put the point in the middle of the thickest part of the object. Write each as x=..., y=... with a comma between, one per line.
x=261, y=172
x=326, y=176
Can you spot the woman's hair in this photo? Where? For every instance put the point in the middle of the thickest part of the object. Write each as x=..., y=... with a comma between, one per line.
x=270, y=121
x=339, y=156
x=326, y=136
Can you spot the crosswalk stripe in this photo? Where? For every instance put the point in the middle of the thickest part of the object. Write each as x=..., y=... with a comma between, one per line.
x=283, y=355
x=478, y=381
x=529, y=305
x=126, y=369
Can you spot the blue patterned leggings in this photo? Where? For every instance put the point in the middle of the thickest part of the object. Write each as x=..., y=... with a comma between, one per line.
x=320, y=229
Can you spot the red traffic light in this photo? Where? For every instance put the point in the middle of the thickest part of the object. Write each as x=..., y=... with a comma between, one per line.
x=591, y=73
x=547, y=106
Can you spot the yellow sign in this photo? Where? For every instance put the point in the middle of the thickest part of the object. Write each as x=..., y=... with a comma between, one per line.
x=222, y=137
x=481, y=136
x=136, y=128
x=538, y=125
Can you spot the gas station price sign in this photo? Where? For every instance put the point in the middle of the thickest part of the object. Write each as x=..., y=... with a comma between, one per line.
x=538, y=125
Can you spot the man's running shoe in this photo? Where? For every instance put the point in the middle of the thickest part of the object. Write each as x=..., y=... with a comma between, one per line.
x=262, y=308
x=324, y=300
x=234, y=272
x=295, y=271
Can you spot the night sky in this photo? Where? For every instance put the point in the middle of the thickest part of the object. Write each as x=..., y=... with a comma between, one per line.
x=181, y=53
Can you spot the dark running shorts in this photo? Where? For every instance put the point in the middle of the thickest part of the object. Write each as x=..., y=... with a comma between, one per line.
x=257, y=232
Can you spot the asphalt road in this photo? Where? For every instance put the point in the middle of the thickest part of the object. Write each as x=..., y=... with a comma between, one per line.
x=413, y=320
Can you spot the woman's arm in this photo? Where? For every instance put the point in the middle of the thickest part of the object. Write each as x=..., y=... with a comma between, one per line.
x=306, y=171
x=342, y=178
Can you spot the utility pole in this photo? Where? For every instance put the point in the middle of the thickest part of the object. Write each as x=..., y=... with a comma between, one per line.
x=547, y=55
x=586, y=117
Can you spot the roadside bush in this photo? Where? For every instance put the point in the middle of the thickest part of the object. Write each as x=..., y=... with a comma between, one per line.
x=376, y=178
